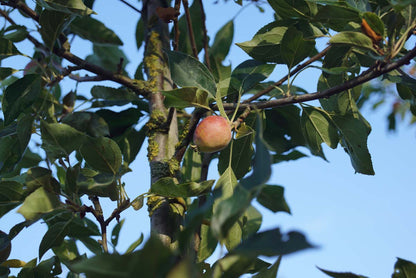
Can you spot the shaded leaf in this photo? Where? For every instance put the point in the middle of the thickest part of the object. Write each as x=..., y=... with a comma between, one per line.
x=353, y=38
x=272, y=197
x=102, y=154
x=189, y=72
x=404, y=269
x=7, y=49
x=167, y=187
x=186, y=97
x=87, y=122
x=67, y=6
x=53, y=237
x=95, y=31
x=6, y=72
x=273, y=243
x=222, y=41
x=341, y=274
x=51, y=23
x=265, y=45
x=115, y=233
x=20, y=96
x=270, y=272
x=60, y=140
x=11, y=195
x=317, y=128
x=135, y=244
x=108, y=57
x=119, y=122
x=294, y=48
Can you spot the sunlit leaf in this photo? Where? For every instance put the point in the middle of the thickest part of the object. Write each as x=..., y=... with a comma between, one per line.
x=38, y=203
x=169, y=188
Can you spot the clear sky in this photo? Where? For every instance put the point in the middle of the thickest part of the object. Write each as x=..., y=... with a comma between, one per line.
x=359, y=223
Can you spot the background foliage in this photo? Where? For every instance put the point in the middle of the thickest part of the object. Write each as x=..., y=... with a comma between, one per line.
x=62, y=153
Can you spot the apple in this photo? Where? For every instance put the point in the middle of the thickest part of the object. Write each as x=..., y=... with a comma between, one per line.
x=212, y=134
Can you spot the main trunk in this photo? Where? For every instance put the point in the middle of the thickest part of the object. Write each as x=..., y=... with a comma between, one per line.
x=166, y=214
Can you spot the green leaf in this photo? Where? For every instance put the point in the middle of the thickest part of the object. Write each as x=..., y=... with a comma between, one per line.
x=293, y=155
x=184, y=38
x=53, y=237
x=317, y=127
x=228, y=211
x=375, y=23
x=51, y=23
x=95, y=31
x=19, y=96
x=67, y=252
x=140, y=33
x=272, y=243
x=60, y=140
x=357, y=39
x=250, y=222
x=132, y=143
x=135, y=244
x=186, y=97
x=87, y=122
x=191, y=166
x=16, y=33
x=189, y=72
x=91, y=182
x=283, y=131
x=294, y=48
x=115, y=233
x=167, y=187
x=261, y=163
x=146, y=261
x=235, y=265
x=37, y=203
x=222, y=41
x=207, y=245
x=102, y=154
x=119, y=122
x=11, y=195
x=354, y=133
x=110, y=93
x=7, y=49
x=270, y=272
x=290, y=9
x=337, y=17
x=265, y=45
x=67, y=6
x=6, y=72
x=341, y=274
x=404, y=269
x=41, y=177
x=5, y=247
x=92, y=245
x=248, y=74
x=272, y=197
x=240, y=161
x=108, y=57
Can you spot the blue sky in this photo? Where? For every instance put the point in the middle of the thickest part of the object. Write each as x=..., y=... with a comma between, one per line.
x=359, y=223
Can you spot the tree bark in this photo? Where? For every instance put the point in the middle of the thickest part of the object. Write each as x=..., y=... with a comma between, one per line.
x=166, y=214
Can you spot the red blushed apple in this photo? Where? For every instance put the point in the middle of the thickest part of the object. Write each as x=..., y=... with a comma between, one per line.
x=212, y=134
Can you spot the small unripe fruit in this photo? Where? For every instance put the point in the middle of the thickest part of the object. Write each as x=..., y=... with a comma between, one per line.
x=212, y=134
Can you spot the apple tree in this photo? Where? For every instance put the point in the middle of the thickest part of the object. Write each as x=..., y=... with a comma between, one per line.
x=63, y=152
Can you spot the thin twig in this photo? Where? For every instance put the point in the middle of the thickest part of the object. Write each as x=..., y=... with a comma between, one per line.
x=205, y=37
x=281, y=81
x=100, y=218
x=176, y=26
x=131, y=6
x=63, y=53
x=190, y=29
x=373, y=72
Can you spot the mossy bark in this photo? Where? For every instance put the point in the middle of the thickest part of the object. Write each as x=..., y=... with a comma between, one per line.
x=166, y=214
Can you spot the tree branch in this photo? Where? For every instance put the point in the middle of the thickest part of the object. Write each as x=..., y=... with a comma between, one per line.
x=104, y=73
x=373, y=72
x=131, y=6
x=293, y=72
x=205, y=38
x=190, y=29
